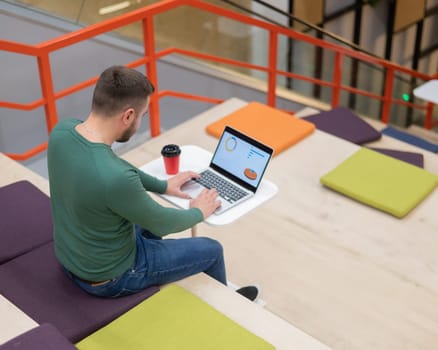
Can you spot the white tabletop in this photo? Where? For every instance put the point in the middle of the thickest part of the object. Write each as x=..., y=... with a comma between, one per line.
x=428, y=91
x=196, y=159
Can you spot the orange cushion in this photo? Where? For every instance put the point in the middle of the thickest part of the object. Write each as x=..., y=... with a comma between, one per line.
x=270, y=126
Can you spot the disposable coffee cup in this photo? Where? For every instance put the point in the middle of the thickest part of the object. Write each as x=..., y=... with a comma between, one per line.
x=171, y=154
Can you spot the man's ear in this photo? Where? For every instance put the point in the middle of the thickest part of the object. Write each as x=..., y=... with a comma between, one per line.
x=128, y=116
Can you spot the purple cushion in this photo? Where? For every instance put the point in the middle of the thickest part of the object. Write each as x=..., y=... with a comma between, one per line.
x=343, y=123
x=409, y=157
x=36, y=283
x=25, y=219
x=44, y=337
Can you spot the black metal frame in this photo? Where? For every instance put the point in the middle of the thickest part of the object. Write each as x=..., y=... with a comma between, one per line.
x=357, y=7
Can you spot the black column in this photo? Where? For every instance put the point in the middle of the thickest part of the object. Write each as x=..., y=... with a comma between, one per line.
x=415, y=61
x=289, y=53
x=356, y=39
x=392, y=4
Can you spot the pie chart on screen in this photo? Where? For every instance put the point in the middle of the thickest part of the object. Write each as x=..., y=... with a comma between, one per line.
x=250, y=174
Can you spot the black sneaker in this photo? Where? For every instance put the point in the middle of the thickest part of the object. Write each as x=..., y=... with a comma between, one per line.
x=249, y=292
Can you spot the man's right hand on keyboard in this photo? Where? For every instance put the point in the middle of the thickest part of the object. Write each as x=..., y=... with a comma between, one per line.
x=207, y=201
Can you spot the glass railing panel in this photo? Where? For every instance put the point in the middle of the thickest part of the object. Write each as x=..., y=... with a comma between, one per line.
x=211, y=34
x=192, y=29
x=184, y=27
x=68, y=9
x=259, y=52
x=16, y=123
x=327, y=73
x=98, y=53
x=402, y=90
x=98, y=11
x=369, y=79
x=298, y=57
x=14, y=81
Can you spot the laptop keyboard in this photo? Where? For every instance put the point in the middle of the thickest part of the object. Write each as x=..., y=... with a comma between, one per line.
x=226, y=190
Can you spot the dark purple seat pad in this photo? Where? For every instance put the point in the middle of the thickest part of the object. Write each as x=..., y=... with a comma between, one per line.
x=44, y=337
x=36, y=283
x=25, y=219
x=409, y=157
x=344, y=124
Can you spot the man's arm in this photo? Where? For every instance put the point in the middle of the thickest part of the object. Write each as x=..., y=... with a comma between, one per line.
x=151, y=183
x=206, y=201
x=127, y=197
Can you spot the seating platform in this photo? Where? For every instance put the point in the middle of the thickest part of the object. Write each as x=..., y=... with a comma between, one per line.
x=322, y=259
x=40, y=293
x=36, y=283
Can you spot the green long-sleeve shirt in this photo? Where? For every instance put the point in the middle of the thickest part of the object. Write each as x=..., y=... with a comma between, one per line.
x=96, y=197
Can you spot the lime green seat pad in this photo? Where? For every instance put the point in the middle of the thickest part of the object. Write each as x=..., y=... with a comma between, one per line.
x=173, y=319
x=382, y=182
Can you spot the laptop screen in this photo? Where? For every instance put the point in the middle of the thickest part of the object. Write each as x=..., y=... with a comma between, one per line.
x=241, y=158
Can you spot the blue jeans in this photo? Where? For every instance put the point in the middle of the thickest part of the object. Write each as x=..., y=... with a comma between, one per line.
x=160, y=261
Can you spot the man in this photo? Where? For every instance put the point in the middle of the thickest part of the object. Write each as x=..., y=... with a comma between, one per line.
x=107, y=229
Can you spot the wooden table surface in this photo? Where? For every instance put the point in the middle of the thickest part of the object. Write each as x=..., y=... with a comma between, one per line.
x=351, y=276
x=348, y=275
x=259, y=320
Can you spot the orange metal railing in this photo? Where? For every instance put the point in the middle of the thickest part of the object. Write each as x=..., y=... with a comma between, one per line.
x=146, y=15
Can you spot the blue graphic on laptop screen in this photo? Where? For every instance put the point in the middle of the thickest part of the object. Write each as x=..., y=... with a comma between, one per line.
x=241, y=159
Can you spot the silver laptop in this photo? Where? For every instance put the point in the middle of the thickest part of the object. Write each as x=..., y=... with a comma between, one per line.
x=235, y=171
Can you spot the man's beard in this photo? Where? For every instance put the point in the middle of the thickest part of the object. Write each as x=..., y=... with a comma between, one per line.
x=127, y=134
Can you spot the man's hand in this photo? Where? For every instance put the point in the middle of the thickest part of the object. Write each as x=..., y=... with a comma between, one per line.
x=207, y=202
x=174, y=183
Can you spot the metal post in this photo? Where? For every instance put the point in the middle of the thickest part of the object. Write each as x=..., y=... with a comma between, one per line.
x=289, y=60
x=272, y=74
x=429, y=115
x=151, y=71
x=319, y=61
x=46, y=81
x=337, y=80
x=387, y=96
x=385, y=108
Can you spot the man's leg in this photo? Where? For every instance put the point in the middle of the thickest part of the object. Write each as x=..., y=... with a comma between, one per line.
x=160, y=261
x=180, y=256
x=169, y=260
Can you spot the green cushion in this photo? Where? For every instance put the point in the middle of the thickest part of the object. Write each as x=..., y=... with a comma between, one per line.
x=382, y=182
x=173, y=319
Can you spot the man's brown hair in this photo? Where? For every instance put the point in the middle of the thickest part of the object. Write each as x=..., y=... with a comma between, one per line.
x=119, y=88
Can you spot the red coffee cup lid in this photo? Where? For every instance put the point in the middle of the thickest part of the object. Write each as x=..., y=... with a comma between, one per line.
x=170, y=150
